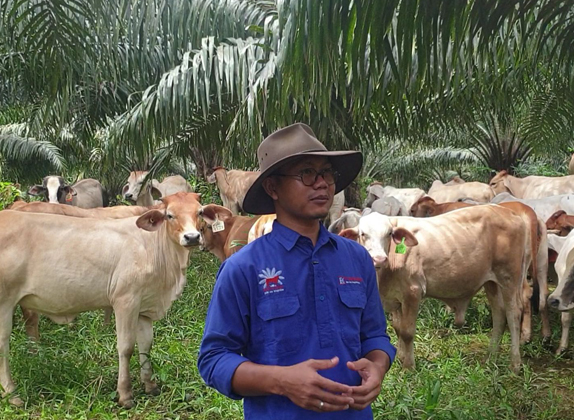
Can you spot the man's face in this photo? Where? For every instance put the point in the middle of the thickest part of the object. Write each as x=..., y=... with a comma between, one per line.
x=296, y=200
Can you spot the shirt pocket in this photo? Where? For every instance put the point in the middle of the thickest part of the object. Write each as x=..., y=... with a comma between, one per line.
x=281, y=325
x=353, y=302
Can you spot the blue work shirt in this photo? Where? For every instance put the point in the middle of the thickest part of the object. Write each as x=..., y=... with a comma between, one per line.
x=281, y=301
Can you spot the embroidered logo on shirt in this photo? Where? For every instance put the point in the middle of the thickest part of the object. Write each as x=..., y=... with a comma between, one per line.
x=271, y=280
x=350, y=280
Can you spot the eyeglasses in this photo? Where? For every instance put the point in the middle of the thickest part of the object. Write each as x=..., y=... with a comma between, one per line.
x=309, y=176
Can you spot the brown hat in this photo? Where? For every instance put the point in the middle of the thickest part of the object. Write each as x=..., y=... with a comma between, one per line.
x=290, y=143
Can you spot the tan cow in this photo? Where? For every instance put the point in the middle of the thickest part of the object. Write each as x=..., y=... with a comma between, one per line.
x=571, y=165
x=532, y=186
x=261, y=227
x=223, y=234
x=116, y=212
x=538, y=251
x=449, y=257
x=135, y=265
x=233, y=186
x=477, y=191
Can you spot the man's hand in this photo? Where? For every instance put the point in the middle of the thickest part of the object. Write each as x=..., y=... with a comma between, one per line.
x=305, y=387
x=372, y=374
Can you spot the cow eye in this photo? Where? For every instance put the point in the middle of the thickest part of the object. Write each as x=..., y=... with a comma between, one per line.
x=170, y=216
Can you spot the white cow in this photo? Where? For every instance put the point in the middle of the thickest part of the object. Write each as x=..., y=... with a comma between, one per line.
x=144, y=193
x=532, y=186
x=543, y=207
x=135, y=265
x=407, y=196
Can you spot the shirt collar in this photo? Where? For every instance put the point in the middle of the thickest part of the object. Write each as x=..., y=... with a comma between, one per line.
x=288, y=237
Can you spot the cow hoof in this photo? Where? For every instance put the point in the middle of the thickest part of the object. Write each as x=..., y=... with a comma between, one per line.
x=15, y=400
x=546, y=342
x=127, y=404
x=154, y=391
x=561, y=351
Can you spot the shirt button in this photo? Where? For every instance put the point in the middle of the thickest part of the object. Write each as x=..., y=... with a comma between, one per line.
x=315, y=262
x=321, y=297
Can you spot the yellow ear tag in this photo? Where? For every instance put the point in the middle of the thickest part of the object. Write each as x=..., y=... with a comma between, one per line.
x=217, y=226
x=401, y=248
x=69, y=197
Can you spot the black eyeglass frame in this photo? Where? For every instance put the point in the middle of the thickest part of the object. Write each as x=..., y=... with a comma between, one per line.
x=321, y=173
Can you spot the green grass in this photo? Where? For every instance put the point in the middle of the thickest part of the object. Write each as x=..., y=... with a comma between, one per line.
x=71, y=373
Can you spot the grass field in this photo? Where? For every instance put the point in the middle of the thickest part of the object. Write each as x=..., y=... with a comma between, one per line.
x=71, y=373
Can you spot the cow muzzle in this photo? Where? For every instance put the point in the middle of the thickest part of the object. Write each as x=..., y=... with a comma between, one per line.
x=380, y=261
x=190, y=239
x=558, y=303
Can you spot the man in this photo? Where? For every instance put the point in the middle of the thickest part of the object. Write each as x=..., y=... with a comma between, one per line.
x=295, y=325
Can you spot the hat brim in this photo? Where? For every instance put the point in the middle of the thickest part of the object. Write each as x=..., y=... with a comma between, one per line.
x=347, y=163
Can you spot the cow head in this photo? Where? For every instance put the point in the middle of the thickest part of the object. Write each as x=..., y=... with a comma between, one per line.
x=376, y=233
x=138, y=186
x=349, y=219
x=424, y=207
x=560, y=222
x=179, y=215
x=211, y=214
x=374, y=192
x=212, y=179
x=499, y=183
x=54, y=189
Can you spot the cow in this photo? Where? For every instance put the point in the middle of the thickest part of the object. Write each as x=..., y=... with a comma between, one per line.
x=336, y=208
x=144, y=192
x=135, y=265
x=571, y=165
x=443, y=193
x=532, y=186
x=233, y=186
x=544, y=207
x=349, y=218
x=407, y=196
x=562, y=298
x=86, y=193
x=538, y=252
x=561, y=223
x=427, y=207
x=417, y=258
x=223, y=233
x=389, y=206
x=261, y=227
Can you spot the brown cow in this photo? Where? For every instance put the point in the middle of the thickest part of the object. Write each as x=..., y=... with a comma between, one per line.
x=233, y=186
x=428, y=207
x=223, y=234
x=560, y=223
x=449, y=257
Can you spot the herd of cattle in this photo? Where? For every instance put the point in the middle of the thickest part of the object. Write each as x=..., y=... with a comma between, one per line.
x=447, y=243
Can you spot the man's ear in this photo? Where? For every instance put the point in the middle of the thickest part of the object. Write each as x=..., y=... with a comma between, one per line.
x=270, y=185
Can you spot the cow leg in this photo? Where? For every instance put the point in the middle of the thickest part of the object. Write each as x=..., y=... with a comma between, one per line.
x=6, y=313
x=526, y=325
x=126, y=327
x=498, y=318
x=408, y=318
x=108, y=316
x=542, y=279
x=145, y=341
x=396, y=323
x=31, y=320
x=566, y=320
x=513, y=305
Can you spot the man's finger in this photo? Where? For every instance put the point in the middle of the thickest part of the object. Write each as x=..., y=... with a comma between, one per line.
x=332, y=386
x=322, y=364
x=327, y=407
x=334, y=399
x=358, y=364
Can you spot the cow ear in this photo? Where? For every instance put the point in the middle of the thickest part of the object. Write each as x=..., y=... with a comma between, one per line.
x=211, y=212
x=350, y=233
x=70, y=190
x=125, y=189
x=36, y=190
x=151, y=220
x=430, y=211
x=400, y=233
x=155, y=193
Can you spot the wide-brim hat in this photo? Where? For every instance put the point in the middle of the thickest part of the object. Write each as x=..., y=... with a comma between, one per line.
x=290, y=143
